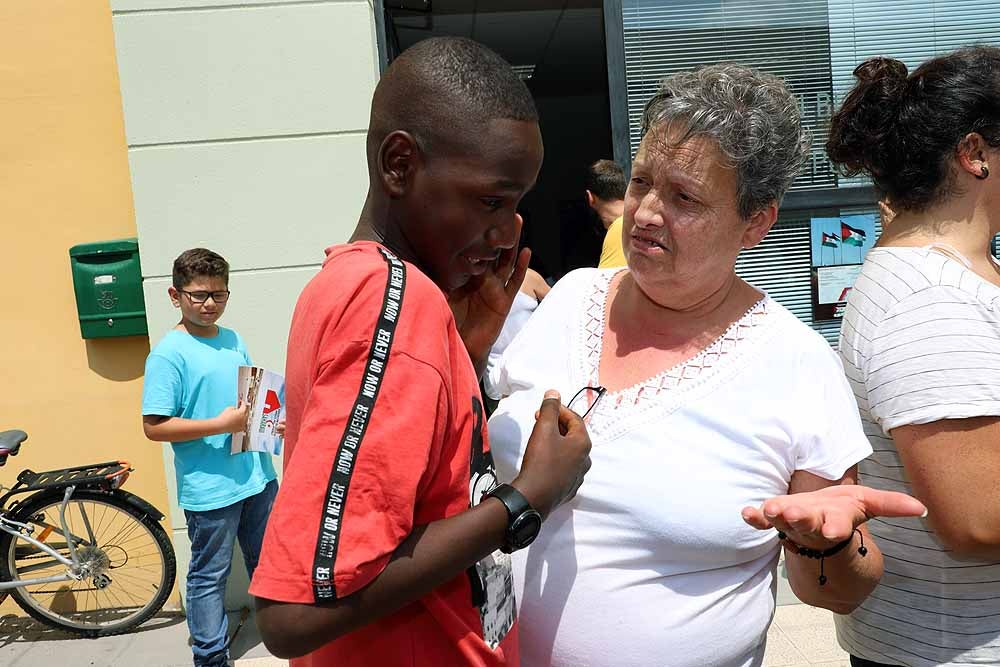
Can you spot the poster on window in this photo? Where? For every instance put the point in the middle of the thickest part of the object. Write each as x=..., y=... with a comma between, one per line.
x=839, y=246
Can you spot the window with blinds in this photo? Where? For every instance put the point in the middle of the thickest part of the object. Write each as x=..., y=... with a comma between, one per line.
x=788, y=38
x=814, y=45
x=909, y=30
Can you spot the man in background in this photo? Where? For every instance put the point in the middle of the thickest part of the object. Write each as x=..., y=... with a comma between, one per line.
x=585, y=221
x=606, y=197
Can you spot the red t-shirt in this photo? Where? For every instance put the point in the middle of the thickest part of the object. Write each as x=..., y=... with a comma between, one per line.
x=385, y=431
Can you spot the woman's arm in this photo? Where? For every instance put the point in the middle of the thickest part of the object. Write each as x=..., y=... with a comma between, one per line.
x=819, y=514
x=534, y=285
x=850, y=577
x=953, y=466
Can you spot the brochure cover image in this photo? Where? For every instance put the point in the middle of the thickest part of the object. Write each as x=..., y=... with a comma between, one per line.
x=264, y=392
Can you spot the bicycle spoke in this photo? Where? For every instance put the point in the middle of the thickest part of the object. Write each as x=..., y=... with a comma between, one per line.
x=114, y=594
x=35, y=567
x=118, y=537
x=129, y=595
x=124, y=578
x=100, y=522
x=53, y=525
x=119, y=546
x=120, y=542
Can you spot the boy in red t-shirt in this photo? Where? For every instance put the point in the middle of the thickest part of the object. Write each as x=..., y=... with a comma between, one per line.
x=388, y=541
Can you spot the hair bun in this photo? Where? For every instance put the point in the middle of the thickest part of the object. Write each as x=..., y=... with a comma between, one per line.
x=864, y=133
x=888, y=74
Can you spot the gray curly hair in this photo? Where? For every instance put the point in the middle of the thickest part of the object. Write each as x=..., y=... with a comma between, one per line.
x=751, y=115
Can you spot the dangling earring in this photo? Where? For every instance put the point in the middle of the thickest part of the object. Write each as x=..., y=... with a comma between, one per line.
x=984, y=173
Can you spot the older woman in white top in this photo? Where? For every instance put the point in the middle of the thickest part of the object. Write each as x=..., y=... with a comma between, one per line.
x=716, y=416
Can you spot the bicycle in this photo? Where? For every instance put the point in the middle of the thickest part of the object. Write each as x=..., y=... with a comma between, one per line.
x=79, y=553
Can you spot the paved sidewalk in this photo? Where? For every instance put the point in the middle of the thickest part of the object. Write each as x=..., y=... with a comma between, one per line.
x=160, y=642
x=800, y=636
x=803, y=636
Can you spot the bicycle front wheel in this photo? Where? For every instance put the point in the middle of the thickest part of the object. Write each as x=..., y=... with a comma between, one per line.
x=126, y=558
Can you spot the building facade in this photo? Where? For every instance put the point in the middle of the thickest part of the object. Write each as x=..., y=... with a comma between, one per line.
x=245, y=125
x=65, y=181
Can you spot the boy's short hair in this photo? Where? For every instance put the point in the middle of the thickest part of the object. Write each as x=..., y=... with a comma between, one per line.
x=606, y=180
x=443, y=90
x=199, y=263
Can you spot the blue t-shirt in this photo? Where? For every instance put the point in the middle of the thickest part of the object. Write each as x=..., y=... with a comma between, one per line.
x=195, y=378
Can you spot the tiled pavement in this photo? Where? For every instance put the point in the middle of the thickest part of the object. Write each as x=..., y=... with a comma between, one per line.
x=803, y=636
x=160, y=642
x=800, y=636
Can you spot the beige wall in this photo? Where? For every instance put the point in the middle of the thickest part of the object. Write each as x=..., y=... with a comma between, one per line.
x=246, y=123
x=64, y=178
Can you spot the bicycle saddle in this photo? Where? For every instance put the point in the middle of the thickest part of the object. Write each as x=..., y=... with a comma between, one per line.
x=10, y=442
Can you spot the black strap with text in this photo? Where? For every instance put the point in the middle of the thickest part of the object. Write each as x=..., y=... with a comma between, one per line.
x=354, y=433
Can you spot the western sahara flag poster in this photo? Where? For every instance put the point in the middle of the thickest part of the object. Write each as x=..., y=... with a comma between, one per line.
x=838, y=246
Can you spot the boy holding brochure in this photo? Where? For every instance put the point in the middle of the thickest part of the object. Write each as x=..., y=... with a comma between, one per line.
x=188, y=400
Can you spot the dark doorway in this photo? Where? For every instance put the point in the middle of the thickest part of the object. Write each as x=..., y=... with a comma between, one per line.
x=558, y=48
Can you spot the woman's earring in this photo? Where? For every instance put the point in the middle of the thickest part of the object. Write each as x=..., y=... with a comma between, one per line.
x=984, y=173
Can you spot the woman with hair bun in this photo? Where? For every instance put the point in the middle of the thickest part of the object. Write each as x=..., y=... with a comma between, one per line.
x=921, y=346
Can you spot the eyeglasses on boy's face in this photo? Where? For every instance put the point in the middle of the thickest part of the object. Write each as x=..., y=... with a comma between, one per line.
x=581, y=400
x=220, y=296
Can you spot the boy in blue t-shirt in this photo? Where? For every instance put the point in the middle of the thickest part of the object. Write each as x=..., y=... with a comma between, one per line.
x=188, y=400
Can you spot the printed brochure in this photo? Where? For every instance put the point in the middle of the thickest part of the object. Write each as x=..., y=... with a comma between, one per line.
x=264, y=392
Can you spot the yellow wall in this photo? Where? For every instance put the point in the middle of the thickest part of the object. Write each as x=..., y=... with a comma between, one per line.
x=64, y=180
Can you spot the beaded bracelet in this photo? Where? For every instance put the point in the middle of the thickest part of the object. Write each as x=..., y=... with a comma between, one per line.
x=821, y=555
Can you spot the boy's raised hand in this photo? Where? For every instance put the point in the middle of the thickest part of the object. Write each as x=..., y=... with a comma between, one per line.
x=234, y=419
x=480, y=306
x=556, y=458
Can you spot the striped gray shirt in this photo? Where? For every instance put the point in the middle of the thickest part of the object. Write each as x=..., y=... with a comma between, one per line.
x=920, y=342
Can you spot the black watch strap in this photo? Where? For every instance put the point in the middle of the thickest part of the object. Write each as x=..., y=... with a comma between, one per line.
x=513, y=500
x=523, y=520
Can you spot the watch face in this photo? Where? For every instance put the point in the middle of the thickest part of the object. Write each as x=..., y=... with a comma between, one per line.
x=524, y=529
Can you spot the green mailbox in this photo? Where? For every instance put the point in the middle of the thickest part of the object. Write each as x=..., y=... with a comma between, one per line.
x=108, y=285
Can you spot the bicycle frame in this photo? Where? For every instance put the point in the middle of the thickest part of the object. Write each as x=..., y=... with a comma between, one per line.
x=12, y=527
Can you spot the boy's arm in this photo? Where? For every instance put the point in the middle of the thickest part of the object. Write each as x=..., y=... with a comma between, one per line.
x=161, y=428
x=162, y=393
x=431, y=555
